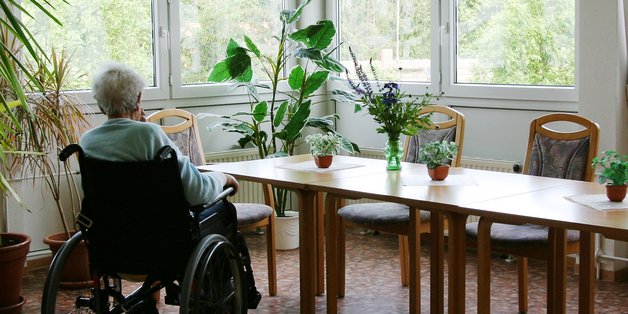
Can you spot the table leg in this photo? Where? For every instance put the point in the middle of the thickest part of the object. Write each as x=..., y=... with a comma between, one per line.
x=586, y=292
x=484, y=265
x=320, y=243
x=414, y=243
x=556, y=271
x=457, y=261
x=307, y=250
x=331, y=226
x=437, y=264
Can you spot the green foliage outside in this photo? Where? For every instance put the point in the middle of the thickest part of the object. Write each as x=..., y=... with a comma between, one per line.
x=527, y=42
x=95, y=31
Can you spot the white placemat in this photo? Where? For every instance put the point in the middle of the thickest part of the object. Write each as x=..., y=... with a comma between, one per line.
x=311, y=166
x=450, y=180
x=598, y=202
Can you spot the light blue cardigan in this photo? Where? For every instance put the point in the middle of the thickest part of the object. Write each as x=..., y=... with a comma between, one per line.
x=128, y=140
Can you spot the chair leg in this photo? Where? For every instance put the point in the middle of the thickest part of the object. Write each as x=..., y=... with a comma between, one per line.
x=341, y=258
x=271, y=257
x=522, y=272
x=404, y=259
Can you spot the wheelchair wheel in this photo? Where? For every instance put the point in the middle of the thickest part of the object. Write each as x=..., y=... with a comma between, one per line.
x=56, y=299
x=214, y=279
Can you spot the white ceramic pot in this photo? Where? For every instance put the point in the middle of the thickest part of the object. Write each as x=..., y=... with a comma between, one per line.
x=287, y=231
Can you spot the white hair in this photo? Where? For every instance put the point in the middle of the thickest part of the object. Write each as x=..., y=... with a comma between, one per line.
x=116, y=88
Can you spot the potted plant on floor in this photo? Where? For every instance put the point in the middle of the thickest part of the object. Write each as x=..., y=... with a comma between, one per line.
x=15, y=79
x=614, y=174
x=437, y=157
x=275, y=123
x=324, y=147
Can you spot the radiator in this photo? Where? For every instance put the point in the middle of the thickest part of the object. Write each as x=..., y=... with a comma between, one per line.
x=251, y=192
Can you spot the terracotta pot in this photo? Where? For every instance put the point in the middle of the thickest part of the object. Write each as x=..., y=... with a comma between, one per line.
x=439, y=173
x=12, y=259
x=616, y=193
x=323, y=161
x=76, y=272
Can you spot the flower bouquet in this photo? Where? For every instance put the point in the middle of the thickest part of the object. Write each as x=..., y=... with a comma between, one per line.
x=395, y=111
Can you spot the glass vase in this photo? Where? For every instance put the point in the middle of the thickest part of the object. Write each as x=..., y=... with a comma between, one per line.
x=393, y=153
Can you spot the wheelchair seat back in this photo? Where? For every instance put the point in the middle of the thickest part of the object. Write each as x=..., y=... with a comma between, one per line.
x=138, y=220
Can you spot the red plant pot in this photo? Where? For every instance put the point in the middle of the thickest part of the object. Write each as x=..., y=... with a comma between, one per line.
x=616, y=193
x=439, y=173
x=323, y=161
x=12, y=259
x=75, y=274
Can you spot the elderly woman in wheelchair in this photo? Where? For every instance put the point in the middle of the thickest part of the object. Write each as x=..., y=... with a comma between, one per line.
x=149, y=214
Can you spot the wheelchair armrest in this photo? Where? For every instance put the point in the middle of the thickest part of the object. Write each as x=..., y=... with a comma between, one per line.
x=223, y=195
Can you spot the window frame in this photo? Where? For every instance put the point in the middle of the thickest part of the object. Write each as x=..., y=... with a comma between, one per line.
x=555, y=98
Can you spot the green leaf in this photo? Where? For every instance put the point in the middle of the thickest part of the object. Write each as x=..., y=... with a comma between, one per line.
x=314, y=81
x=296, y=78
x=219, y=73
x=244, y=140
x=317, y=36
x=281, y=113
x=297, y=13
x=232, y=48
x=235, y=67
x=308, y=53
x=260, y=111
x=319, y=123
x=251, y=45
x=297, y=121
x=327, y=62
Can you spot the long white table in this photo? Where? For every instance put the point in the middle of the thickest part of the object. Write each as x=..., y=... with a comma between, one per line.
x=475, y=192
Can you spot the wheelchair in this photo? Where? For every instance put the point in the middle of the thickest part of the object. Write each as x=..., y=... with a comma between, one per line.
x=138, y=226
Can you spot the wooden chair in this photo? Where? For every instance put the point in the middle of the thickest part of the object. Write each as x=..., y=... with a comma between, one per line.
x=550, y=153
x=186, y=136
x=395, y=218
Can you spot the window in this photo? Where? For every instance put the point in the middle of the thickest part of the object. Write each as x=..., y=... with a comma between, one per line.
x=202, y=31
x=394, y=34
x=514, y=50
x=516, y=42
x=96, y=31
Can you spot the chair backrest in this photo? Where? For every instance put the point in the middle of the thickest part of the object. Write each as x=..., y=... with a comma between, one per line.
x=184, y=134
x=140, y=218
x=560, y=154
x=449, y=128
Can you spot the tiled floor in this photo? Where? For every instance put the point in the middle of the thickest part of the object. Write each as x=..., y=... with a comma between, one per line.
x=373, y=284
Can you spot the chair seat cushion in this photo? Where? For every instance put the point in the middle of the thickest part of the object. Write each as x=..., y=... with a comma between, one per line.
x=249, y=213
x=379, y=214
x=518, y=236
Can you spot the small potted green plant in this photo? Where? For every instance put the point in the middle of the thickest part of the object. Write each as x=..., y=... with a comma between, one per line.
x=437, y=157
x=614, y=174
x=323, y=147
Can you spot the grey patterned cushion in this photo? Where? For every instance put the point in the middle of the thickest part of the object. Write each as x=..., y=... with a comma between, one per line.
x=518, y=236
x=559, y=158
x=379, y=214
x=186, y=142
x=249, y=213
x=428, y=136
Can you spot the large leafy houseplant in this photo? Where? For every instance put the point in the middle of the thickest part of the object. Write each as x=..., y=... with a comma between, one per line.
x=275, y=124
x=15, y=80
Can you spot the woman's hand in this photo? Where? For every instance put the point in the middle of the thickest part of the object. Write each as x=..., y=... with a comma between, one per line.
x=232, y=182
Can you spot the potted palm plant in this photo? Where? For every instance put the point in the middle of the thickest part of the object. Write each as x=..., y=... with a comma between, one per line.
x=437, y=157
x=15, y=79
x=614, y=174
x=324, y=147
